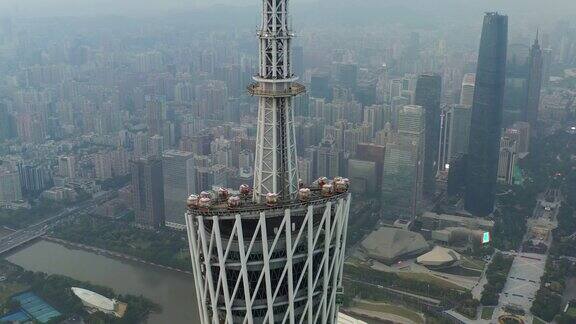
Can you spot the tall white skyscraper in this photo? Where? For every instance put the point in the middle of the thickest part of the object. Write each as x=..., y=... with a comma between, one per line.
x=274, y=254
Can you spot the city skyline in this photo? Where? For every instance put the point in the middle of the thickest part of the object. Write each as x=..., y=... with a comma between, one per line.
x=205, y=161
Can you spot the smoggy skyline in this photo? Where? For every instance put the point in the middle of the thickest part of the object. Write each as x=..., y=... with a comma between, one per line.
x=151, y=7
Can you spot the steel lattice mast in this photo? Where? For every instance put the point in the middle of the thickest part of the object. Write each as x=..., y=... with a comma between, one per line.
x=275, y=168
x=275, y=255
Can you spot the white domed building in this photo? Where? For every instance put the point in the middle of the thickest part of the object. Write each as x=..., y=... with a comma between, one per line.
x=98, y=303
x=439, y=258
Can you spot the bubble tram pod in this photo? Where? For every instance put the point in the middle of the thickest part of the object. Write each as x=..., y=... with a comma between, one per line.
x=273, y=253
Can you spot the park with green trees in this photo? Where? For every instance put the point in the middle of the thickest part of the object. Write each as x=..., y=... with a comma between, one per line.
x=162, y=246
x=496, y=275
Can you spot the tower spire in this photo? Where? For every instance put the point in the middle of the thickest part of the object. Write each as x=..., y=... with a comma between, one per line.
x=275, y=167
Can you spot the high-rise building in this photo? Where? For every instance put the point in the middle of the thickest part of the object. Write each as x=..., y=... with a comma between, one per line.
x=467, y=90
x=34, y=178
x=149, y=62
x=10, y=189
x=120, y=162
x=485, y=128
x=346, y=75
x=329, y=159
x=6, y=123
x=305, y=170
x=363, y=175
x=400, y=176
x=522, y=131
x=546, y=66
x=459, y=120
x=103, y=166
x=140, y=145
x=373, y=153
x=279, y=256
x=397, y=104
x=412, y=121
x=516, y=83
x=155, y=116
x=156, y=145
x=395, y=88
x=428, y=94
x=370, y=119
x=148, y=192
x=179, y=182
x=403, y=170
x=67, y=166
x=457, y=175
x=382, y=85
x=535, y=66
x=507, y=159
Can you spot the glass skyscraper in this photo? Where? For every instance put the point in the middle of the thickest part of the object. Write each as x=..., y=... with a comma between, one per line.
x=485, y=129
x=534, y=84
x=428, y=95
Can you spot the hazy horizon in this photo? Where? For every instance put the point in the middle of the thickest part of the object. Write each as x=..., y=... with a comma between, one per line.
x=52, y=8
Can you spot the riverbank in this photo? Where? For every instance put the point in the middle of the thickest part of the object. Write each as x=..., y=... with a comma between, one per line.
x=55, y=291
x=111, y=254
x=173, y=291
x=160, y=246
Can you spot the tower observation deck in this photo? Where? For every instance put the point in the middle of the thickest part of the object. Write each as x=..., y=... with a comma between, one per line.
x=273, y=253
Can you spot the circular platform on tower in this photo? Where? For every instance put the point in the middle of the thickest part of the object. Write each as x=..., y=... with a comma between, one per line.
x=264, y=90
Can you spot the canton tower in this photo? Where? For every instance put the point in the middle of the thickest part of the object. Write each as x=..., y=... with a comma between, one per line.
x=273, y=253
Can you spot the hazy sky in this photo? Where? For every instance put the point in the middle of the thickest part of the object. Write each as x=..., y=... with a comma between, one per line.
x=136, y=7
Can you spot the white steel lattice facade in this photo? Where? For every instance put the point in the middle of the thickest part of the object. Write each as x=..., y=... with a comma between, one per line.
x=276, y=255
x=275, y=167
x=272, y=265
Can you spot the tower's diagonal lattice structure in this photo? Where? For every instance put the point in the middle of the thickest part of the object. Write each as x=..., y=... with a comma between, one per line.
x=274, y=254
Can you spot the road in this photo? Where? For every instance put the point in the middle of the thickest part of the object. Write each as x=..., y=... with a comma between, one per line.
x=32, y=232
x=479, y=287
x=431, y=302
x=523, y=280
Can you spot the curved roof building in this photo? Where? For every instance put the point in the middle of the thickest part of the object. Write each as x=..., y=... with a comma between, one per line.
x=439, y=257
x=100, y=303
x=390, y=244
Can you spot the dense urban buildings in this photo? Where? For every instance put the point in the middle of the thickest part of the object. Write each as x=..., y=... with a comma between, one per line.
x=485, y=128
x=114, y=122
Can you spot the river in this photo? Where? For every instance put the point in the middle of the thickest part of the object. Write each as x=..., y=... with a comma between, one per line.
x=172, y=290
